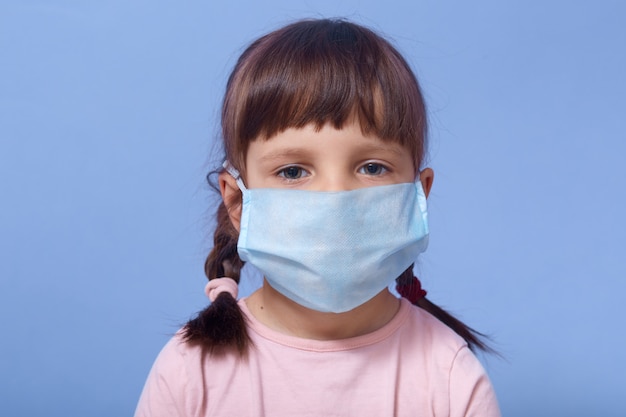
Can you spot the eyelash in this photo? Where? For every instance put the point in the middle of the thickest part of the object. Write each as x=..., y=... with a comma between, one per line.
x=301, y=172
x=282, y=172
x=380, y=167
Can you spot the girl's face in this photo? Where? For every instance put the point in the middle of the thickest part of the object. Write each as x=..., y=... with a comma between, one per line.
x=326, y=160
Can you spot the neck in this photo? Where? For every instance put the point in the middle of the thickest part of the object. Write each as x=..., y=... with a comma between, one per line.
x=283, y=315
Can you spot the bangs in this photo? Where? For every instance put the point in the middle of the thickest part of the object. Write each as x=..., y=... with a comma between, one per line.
x=322, y=72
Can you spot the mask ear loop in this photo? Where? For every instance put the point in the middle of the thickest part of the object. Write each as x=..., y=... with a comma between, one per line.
x=235, y=174
x=422, y=201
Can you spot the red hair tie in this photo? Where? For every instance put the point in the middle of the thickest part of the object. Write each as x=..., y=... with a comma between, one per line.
x=412, y=290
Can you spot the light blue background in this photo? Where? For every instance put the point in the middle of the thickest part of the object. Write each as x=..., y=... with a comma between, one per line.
x=108, y=119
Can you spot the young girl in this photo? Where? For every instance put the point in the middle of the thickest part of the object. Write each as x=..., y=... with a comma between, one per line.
x=324, y=130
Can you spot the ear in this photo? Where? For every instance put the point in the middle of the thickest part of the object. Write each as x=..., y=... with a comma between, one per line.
x=427, y=175
x=231, y=194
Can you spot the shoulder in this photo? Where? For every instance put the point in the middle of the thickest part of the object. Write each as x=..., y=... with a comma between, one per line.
x=471, y=392
x=175, y=358
x=452, y=366
x=431, y=334
x=172, y=385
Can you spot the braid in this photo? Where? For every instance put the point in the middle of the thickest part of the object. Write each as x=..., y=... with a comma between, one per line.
x=473, y=338
x=221, y=325
x=223, y=261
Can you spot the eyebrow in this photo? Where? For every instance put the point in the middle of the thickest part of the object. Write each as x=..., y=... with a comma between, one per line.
x=283, y=153
x=288, y=153
x=390, y=147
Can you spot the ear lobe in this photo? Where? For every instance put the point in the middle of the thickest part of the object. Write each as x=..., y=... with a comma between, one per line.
x=231, y=195
x=427, y=175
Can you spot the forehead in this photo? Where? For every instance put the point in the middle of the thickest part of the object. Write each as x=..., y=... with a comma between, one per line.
x=328, y=143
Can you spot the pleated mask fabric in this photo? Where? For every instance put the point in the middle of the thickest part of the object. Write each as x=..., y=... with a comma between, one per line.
x=332, y=251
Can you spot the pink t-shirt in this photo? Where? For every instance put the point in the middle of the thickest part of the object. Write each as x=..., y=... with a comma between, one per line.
x=413, y=366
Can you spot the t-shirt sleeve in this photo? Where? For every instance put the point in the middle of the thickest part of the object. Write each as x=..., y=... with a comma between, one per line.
x=163, y=392
x=471, y=392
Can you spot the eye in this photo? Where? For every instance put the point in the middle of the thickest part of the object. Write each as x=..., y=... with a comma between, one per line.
x=373, y=169
x=292, y=173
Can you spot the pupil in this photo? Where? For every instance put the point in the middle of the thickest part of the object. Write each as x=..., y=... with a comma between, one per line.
x=372, y=168
x=292, y=172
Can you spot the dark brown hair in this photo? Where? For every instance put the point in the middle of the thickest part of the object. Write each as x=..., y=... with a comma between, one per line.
x=310, y=72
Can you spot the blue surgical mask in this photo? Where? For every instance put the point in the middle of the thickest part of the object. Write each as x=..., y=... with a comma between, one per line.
x=332, y=251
